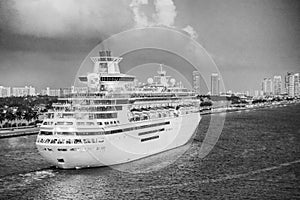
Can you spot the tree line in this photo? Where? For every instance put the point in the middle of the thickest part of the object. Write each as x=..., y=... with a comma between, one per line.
x=14, y=110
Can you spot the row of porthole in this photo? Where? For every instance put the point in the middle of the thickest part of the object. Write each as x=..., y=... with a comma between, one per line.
x=75, y=149
x=69, y=141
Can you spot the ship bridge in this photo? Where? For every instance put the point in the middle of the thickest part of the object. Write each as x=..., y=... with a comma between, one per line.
x=106, y=74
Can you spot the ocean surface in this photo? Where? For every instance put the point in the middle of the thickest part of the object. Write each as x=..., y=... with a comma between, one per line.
x=257, y=156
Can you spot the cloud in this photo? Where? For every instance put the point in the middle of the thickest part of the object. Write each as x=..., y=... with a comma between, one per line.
x=141, y=20
x=87, y=19
x=56, y=18
x=191, y=31
x=165, y=12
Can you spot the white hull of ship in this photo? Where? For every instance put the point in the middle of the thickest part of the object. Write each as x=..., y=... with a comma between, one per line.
x=123, y=147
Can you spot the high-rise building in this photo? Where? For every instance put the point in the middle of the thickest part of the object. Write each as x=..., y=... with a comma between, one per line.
x=277, y=85
x=23, y=91
x=51, y=92
x=196, y=82
x=292, y=84
x=297, y=84
x=31, y=91
x=256, y=93
x=215, y=84
x=289, y=84
x=46, y=91
x=261, y=93
x=5, y=91
x=267, y=86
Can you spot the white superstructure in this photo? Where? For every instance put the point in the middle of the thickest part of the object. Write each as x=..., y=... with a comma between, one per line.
x=114, y=122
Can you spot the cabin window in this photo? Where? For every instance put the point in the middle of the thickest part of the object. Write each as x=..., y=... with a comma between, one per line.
x=61, y=149
x=53, y=141
x=61, y=141
x=86, y=141
x=68, y=141
x=65, y=133
x=122, y=101
x=105, y=115
x=90, y=123
x=149, y=138
x=80, y=123
x=77, y=141
x=46, y=133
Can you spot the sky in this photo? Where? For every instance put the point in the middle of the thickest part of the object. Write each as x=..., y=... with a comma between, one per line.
x=43, y=43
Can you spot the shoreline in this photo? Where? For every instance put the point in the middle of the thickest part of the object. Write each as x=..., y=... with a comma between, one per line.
x=18, y=132
x=238, y=108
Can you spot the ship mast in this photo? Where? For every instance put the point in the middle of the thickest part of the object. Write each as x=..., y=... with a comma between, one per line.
x=162, y=79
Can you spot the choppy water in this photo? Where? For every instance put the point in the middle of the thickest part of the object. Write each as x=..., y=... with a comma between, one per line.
x=257, y=156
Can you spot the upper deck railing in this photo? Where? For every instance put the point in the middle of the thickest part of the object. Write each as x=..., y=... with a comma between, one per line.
x=129, y=95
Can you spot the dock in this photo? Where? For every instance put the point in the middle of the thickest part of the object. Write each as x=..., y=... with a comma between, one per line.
x=17, y=132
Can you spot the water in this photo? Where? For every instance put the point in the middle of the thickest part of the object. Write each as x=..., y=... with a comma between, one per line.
x=256, y=157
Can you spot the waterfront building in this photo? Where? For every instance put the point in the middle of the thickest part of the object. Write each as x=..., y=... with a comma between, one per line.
x=277, y=85
x=215, y=84
x=66, y=91
x=289, y=84
x=267, y=86
x=292, y=84
x=31, y=91
x=256, y=93
x=46, y=91
x=297, y=84
x=54, y=92
x=51, y=92
x=5, y=91
x=23, y=91
x=261, y=93
x=196, y=82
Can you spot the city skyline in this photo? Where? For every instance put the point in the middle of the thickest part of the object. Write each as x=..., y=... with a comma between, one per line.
x=269, y=86
x=241, y=36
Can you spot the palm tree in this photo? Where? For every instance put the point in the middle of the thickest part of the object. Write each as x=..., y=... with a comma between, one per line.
x=2, y=116
x=10, y=116
x=19, y=114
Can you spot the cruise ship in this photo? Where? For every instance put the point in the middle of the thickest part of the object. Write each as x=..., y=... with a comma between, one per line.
x=115, y=120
